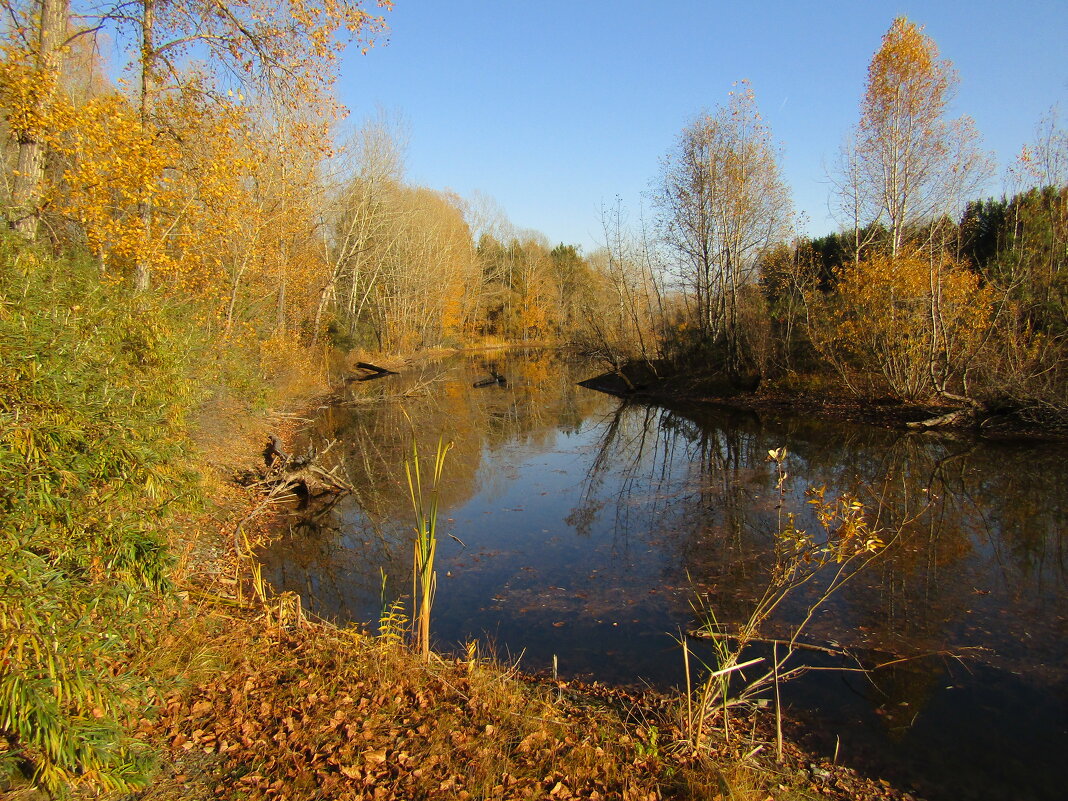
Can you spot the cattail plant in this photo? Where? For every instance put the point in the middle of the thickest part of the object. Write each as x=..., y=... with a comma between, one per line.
x=424, y=579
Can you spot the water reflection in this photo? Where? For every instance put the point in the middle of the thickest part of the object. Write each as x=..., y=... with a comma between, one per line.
x=582, y=527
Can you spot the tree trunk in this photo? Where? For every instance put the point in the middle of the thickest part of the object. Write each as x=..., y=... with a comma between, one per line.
x=143, y=268
x=29, y=172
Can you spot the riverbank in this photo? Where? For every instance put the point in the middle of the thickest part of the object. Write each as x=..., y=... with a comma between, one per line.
x=172, y=672
x=817, y=396
x=278, y=705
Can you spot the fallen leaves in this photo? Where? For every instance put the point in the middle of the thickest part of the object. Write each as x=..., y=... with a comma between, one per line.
x=311, y=714
x=318, y=713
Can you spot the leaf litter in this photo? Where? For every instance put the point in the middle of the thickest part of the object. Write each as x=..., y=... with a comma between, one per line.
x=325, y=713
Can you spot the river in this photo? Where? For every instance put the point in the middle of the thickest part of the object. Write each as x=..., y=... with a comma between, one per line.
x=578, y=527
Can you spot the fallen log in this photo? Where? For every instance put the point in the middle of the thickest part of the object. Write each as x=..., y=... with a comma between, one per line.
x=374, y=368
x=495, y=378
x=284, y=478
x=371, y=372
x=960, y=417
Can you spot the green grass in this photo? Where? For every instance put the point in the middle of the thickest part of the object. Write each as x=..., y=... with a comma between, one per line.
x=94, y=390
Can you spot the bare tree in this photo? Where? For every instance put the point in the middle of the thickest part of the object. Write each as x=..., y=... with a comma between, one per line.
x=722, y=201
x=357, y=212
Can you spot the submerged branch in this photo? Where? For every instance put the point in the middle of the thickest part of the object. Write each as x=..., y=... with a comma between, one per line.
x=699, y=634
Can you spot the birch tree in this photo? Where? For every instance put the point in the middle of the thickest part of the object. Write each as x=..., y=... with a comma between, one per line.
x=907, y=163
x=723, y=200
x=30, y=71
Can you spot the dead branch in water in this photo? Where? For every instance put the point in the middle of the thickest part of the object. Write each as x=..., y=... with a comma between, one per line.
x=956, y=653
x=420, y=386
x=698, y=634
x=287, y=478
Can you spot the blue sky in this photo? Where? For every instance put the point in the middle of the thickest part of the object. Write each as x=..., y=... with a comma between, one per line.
x=555, y=108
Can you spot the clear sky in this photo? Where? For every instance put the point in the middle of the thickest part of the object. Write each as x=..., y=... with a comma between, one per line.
x=556, y=107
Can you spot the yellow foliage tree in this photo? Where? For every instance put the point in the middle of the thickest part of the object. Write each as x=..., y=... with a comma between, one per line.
x=189, y=172
x=908, y=164
x=912, y=325
x=31, y=63
x=723, y=200
x=285, y=48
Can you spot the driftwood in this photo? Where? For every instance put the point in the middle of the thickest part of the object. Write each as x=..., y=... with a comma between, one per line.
x=968, y=415
x=371, y=372
x=495, y=378
x=314, y=481
x=959, y=417
x=374, y=368
x=300, y=474
x=285, y=478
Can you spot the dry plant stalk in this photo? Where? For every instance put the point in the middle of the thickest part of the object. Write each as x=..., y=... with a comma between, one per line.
x=847, y=545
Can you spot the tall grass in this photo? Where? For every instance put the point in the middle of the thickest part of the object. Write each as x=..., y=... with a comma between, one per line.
x=424, y=579
x=93, y=398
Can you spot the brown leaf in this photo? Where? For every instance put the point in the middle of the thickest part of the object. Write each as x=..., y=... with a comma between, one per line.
x=375, y=757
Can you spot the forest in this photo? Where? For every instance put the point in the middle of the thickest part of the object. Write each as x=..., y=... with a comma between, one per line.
x=192, y=222
x=211, y=167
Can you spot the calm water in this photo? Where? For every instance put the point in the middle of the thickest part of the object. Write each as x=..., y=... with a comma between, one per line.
x=583, y=527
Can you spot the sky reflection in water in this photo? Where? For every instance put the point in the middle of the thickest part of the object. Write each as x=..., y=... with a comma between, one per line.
x=583, y=527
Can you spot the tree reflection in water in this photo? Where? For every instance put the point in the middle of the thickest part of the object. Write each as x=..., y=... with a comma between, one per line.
x=582, y=518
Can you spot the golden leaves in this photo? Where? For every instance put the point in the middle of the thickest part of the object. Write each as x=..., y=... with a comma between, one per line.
x=185, y=166
x=909, y=164
x=26, y=93
x=916, y=321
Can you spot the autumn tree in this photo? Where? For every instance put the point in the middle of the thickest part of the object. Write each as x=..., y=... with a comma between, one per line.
x=790, y=275
x=286, y=48
x=1019, y=244
x=426, y=273
x=904, y=308
x=30, y=70
x=907, y=163
x=722, y=200
x=518, y=288
x=358, y=216
x=1042, y=169
x=212, y=50
x=622, y=315
x=409, y=269
x=904, y=326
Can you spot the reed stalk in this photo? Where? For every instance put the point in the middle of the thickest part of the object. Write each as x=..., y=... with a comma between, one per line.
x=844, y=543
x=424, y=578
